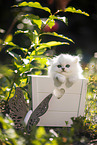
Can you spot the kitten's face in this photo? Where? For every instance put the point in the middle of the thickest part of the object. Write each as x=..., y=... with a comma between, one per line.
x=65, y=64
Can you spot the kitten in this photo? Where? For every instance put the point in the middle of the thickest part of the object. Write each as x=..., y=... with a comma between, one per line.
x=66, y=69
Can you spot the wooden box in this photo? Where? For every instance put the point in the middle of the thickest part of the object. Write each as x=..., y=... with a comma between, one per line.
x=72, y=103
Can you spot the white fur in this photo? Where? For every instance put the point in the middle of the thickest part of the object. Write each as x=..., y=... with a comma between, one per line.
x=72, y=71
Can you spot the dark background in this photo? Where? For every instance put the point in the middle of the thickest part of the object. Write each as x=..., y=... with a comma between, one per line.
x=81, y=29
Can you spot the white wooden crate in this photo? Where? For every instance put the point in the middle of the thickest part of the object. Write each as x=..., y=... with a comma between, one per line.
x=71, y=104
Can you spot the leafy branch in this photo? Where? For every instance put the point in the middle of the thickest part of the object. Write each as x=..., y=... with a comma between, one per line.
x=34, y=61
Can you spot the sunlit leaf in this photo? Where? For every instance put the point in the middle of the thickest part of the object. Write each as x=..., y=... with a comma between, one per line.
x=24, y=49
x=38, y=51
x=10, y=43
x=35, y=37
x=34, y=19
x=5, y=71
x=63, y=19
x=73, y=10
x=14, y=55
x=35, y=5
x=8, y=38
x=27, y=32
x=17, y=65
x=54, y=142
x=51, y=23
x=25, y=68
x=37, y=72
x=14, y=46
x=40, y=132
x=36, y=142
x=42, y=62
x=51, y=43
x=20, y=31
x=23, y=82
x=51, y=20
x=57, y=35
x=42, y=47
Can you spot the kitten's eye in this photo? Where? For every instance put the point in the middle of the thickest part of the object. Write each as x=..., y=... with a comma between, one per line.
x=59, y=66
x=67, y=65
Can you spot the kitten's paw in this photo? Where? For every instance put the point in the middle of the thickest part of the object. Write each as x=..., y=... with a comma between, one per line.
x=72, y=79
x=58, y=93
x=69, y=84
x=60, y=78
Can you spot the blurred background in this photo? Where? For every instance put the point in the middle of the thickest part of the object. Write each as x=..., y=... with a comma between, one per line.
x=81, y=29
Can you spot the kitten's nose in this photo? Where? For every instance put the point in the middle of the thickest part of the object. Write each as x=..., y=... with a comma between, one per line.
x=63, y=68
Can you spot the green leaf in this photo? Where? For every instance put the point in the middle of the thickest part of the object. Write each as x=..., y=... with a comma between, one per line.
x=51, y=43
x=20, y=31
x=34, y=19
x=51, y=23
x=63, y=19
x=42, y=47
x=73, y=10
x=23, y=49
x=27, y=32
x=14, y=46
x=14, y=55
x=42, y=61
x=10, y=43
x=35, y=5
x=35, y=37
x=25, y=68
x=40, y=132
x=8, y=38
x=5, y=71
x=38, y=51
x=17, y=65
x=51, y=20
x=57, y=35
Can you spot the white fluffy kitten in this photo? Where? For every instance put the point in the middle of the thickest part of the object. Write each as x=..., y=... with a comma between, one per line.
x=66, y=69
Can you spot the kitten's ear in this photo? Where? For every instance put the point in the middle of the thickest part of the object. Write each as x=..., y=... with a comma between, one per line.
x=76, y=59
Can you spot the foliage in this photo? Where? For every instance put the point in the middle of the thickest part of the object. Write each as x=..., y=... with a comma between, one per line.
x=79, y=133
x=8, y=135
x=33, y=60
x=91, y=98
